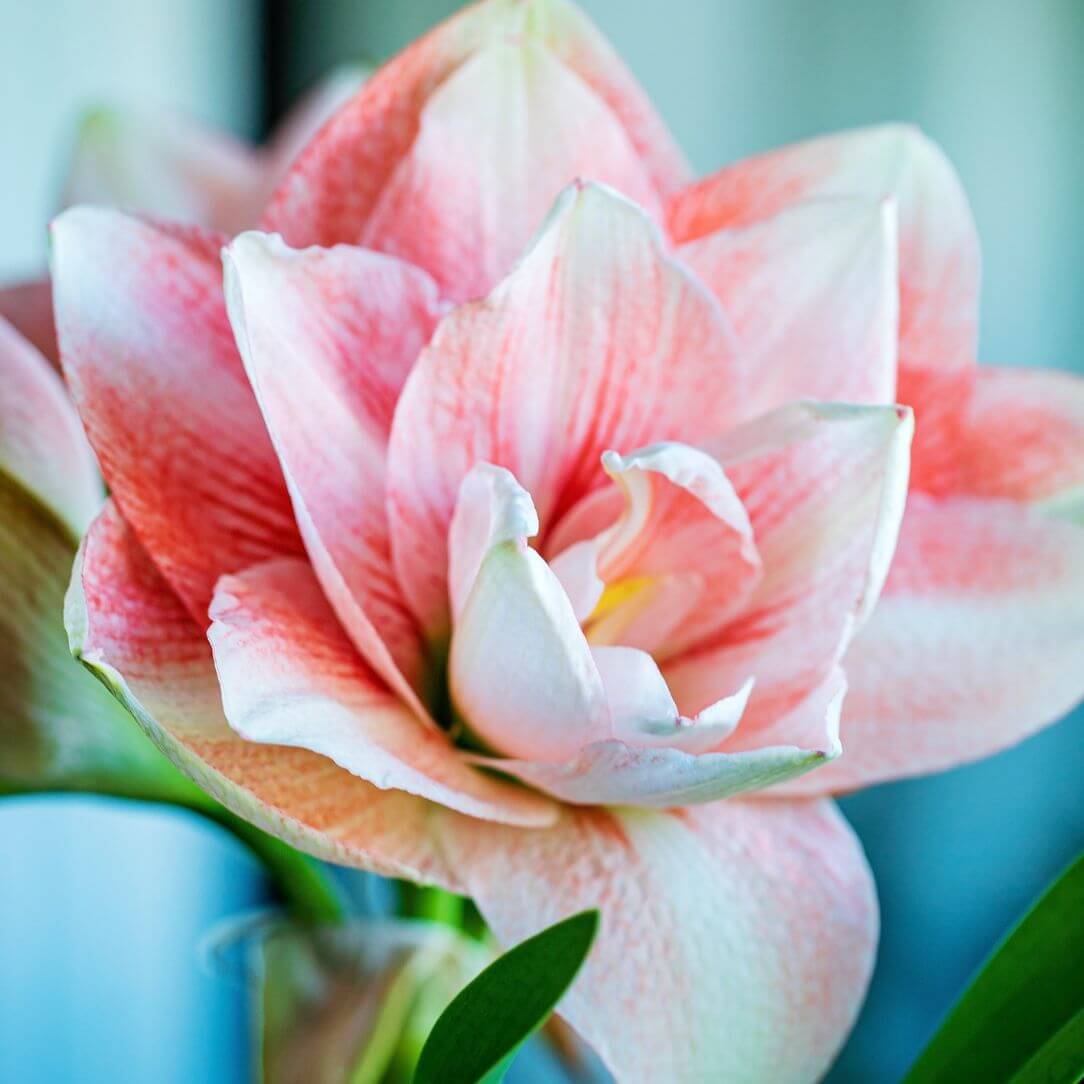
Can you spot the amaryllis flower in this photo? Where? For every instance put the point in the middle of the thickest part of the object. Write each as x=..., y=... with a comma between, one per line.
x=529, y=548
x=156, y=163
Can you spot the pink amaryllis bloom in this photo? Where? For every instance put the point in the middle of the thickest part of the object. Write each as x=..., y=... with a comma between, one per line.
x=157, y=163
x=526, y=547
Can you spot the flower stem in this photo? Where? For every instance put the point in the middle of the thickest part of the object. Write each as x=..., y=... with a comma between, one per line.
x=435, y=904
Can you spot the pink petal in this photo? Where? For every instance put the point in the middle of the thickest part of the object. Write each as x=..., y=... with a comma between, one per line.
x=327, y=337
x=165, y=166
x=42, y=446
x=497, y=141
x=596, y=340
x=939, y=248
x=1015, y=434
x=128, y=627
x=152, y=366
x=643, y=712
x=658, y=757
x=303, y=121
x=28, y=307
x=520, y=673
x=290, y=676
x=736, y=941
x=683, y=543
x=813, y=293
x=976, y=642
x=333, y=188
x=492, y=508
x=824, y=487
x=615, y=773
x=580, y=45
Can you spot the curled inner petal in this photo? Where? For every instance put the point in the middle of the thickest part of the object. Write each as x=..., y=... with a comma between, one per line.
x=677, y=562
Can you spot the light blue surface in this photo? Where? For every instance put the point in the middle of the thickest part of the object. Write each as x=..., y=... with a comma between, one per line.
x=102, y=907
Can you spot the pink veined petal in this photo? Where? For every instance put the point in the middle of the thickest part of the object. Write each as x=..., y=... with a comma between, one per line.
x=303, y=121
x=290, y=676
x=521, y=675
x=128, y=627
x=824, y=486
x=680, y=558
x=333, y=187
x=152, y=366
x=643, y=712
x=736, y=940
x=809, y=721
x=939, y=258
x=28, y=307
x=577, y=570
x=659, y=758
x=497, y=142
x=164, y=166
x=42, y=446
x=580, y=45
x=327, y=337
x=975, y=644
x=1014, y=434
x=813, y=294
x=492, y=508
x=596, y=340
x=616, y=773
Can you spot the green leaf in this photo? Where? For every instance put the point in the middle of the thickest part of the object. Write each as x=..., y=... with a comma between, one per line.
x=478, y=1034
x=1020, y=1015
x=1060, y=1058
x=58, y=727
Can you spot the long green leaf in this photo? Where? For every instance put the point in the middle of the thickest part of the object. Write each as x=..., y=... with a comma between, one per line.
x=1061, y=1058
x=479, y=1032
x=1025, y=996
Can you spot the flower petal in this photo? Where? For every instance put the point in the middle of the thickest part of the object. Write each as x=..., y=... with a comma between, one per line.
x=939, y=248
x=596, y=340
x=521, y=674
x=492, y=508
x=496, y=143
x=28, y=307
x=42, y=445
x=165, y=166
x=975, y=644
x=660, y=758
x=152, y=366
x=290, y=676
x=128, y=627
x=327, y=337
x=824, y=487
x=680, y=560
x=331, y=191
x=813, y=293
x=643, y=712
x=580, y=45
x=614, y=773
x=736, y=940
x=303, y=121
x=1013, y=434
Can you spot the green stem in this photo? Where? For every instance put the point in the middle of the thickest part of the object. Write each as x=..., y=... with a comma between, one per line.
x=435, y=904
x=301, y=884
